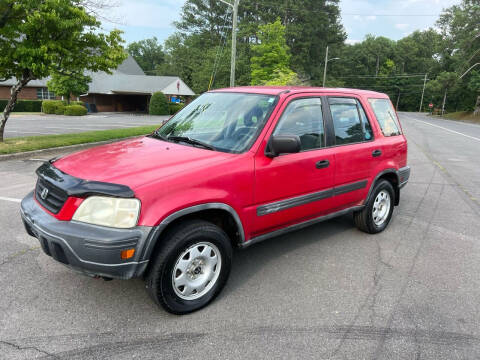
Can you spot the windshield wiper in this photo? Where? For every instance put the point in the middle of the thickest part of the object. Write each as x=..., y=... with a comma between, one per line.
x=156, y=134
x=188, y=140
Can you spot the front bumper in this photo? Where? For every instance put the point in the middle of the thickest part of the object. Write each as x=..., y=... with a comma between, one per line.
x=89, y=249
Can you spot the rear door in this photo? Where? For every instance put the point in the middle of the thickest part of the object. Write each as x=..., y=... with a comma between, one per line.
x=291, y=188
x=355, y=150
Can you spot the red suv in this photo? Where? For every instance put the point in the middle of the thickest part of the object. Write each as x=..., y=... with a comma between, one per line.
x=234, y=167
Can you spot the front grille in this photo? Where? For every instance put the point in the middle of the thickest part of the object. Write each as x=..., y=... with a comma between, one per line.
x=55, y=198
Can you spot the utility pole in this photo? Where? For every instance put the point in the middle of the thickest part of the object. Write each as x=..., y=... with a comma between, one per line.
x=234, y=6
x=325, y=66
x=423, y=92
x=444, y=100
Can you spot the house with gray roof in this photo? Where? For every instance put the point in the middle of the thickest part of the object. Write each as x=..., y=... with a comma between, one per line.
x=128, y=88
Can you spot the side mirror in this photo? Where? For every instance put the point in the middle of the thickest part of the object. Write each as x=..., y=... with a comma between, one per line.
x=283, y=144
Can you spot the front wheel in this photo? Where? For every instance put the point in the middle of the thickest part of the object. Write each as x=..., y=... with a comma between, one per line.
x=191, y=268
x=376, y=214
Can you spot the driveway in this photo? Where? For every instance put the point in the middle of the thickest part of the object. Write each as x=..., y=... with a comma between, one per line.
x=32, y=125
x=326, y=292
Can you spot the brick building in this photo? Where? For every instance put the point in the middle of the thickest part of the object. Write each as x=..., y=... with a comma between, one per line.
x=126, y=89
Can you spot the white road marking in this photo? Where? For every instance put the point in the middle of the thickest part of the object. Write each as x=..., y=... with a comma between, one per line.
x=10, y=199
x=452, y=131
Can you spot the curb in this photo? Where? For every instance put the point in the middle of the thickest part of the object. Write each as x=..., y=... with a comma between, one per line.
x=28, y=154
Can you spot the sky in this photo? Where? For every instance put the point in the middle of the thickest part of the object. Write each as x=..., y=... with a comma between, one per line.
x=141, y=19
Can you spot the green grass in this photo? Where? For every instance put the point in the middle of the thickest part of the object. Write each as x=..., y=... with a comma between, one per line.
x=29, y=143
x=26, y=113
x=463, y=116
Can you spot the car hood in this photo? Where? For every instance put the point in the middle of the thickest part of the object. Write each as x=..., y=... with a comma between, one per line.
x=138, y=161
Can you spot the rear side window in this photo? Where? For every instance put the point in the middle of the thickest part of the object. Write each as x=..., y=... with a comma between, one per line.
x=386, y=116
x=349, y=121
x=303, y=117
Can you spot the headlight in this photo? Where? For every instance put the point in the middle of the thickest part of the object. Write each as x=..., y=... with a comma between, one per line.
x=107, y=211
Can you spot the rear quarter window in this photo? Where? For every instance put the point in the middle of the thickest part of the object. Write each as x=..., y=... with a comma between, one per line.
x=386, y=116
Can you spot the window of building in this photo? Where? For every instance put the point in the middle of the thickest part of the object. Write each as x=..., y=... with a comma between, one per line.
x=350, y=122
x=44, y=94
x=386, y=116
x=303, y=117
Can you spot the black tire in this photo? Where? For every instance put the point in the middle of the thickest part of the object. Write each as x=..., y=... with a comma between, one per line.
x=159, y=282
x=364, y=218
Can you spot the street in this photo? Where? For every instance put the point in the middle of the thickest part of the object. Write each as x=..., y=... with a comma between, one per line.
x=34, y=125
x=325, y=292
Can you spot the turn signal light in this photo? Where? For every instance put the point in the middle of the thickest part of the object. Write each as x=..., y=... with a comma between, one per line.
x=127, y=254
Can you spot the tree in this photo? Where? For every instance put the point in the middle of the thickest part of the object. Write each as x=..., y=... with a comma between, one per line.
x=474, y=85
x=53, y=37
x=446, y=80
x=271, y=54
x=158, y=104
x=148, y=53
x=284, y=78
x=460, y=30
x=310, y=25
x=67, y=85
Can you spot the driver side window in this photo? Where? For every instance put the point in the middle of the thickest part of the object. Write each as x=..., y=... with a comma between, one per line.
x=303, y=117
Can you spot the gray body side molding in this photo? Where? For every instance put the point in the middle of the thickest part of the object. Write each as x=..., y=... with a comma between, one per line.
x=154, y=235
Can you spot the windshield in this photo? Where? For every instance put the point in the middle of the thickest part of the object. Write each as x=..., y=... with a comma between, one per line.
x=228, y=122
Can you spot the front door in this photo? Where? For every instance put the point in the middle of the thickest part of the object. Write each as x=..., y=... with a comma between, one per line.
x=292, y=188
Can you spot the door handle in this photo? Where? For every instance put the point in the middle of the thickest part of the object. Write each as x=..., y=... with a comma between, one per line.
x=376, y=153
x=322, y=164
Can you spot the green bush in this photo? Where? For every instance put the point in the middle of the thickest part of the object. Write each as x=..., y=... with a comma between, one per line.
x=77, y=103
x=174, y=108
x=158, y=104
x=24, y=105
x=75, y=110
x=50, y=106
x=59, y=109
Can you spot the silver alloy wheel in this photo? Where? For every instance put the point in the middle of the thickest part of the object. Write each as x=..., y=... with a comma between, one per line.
x=196, y=271
x=381, y=207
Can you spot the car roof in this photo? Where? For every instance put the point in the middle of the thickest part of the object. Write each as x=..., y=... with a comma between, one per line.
x=277, y=90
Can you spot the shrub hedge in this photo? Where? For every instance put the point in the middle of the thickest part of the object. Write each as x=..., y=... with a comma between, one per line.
x=174, y=108
x=158, y=104
x=24, y=105
x=50, y=106
x=59, y=109
x=75, y=110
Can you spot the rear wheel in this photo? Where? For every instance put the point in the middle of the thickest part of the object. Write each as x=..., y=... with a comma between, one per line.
x=376, y=214
x=191, y=268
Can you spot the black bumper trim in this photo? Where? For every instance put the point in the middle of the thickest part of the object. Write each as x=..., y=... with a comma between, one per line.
x=89, y=249
x=403, y=176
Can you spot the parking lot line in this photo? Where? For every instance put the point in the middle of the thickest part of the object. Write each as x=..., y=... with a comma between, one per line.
x=10, y=199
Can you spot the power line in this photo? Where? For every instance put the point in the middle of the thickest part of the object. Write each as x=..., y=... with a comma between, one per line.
x=276, y=6
x=219, y=54
x=380, y=76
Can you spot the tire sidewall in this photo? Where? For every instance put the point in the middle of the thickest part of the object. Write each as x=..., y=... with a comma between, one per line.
x=383, y=185
x=178, y=305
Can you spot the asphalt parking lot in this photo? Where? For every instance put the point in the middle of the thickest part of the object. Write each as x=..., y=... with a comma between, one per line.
x=325, y=292
x=33, y=125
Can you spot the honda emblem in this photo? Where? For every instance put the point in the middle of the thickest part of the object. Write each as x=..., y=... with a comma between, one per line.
x=44, y=194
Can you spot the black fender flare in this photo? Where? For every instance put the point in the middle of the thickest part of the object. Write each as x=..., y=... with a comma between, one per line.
x=395, y=187
x=158, y=230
